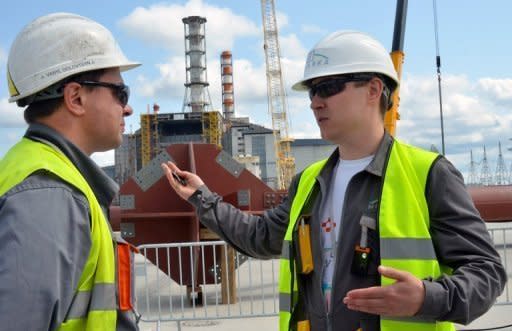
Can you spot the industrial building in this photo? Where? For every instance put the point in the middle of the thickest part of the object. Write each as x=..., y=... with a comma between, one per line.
x=256, y=147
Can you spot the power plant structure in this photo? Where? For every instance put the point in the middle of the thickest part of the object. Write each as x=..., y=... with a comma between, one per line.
x=226, y=78
x=218, y=147
x=197, y=97
x=250, y=144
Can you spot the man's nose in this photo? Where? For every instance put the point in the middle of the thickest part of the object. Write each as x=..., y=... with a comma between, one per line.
x=127, y=110
x=317, y=103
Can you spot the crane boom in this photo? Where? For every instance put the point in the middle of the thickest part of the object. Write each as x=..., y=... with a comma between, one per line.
x=397, y=56
x=285, y=163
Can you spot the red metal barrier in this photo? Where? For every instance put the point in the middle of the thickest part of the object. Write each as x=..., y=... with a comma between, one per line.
x=151, y=212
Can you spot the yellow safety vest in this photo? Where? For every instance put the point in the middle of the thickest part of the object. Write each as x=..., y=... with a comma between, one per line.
x=404, y=222
x=94, y=304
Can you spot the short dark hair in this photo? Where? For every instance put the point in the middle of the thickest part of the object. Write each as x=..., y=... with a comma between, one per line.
x=389, y=87
x=43, y=108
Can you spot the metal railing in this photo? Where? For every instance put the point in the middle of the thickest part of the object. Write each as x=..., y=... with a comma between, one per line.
x=185, y=281
x=182, y=282
x=501, y=234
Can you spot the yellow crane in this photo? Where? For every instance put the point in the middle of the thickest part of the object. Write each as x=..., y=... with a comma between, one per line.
x=285, y=163
x=397, y=56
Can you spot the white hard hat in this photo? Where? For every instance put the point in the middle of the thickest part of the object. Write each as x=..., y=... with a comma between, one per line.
x=346, y=52
x=56, y=46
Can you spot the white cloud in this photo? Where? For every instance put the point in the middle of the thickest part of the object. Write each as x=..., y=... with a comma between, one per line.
x=170, y=82
x=11, y=116
x=313, y=29
x=291, y=47
x=500, y=89
x=161, y=24
x=472, y=117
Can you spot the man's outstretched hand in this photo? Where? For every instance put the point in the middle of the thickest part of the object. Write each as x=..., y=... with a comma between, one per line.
x=189, y=182
x=402, y=298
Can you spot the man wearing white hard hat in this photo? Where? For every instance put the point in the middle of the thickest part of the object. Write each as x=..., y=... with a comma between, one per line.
x=381, y=235
x=61, y=267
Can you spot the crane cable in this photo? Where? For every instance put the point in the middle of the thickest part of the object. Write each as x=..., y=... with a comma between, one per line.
x=438, y=63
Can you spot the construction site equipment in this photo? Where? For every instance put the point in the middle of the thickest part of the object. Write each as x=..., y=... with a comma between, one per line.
x=397, y=56
x=150, y=145
x=151, y=212
x=145, y=133
x=212, y=127
x=285, y=163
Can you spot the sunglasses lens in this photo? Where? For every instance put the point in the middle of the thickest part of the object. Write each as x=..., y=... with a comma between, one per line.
x=327, y=88
x=123, y=94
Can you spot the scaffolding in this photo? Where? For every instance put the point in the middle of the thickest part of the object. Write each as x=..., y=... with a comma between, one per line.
x=212, y=127
x=145, y=137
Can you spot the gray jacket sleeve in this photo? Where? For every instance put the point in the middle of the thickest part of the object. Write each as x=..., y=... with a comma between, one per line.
x=44, y=243
x=463, y=243
x=256, y=236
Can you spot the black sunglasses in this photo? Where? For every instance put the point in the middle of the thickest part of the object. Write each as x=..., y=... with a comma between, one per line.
x=121, y=91
x=330, y=87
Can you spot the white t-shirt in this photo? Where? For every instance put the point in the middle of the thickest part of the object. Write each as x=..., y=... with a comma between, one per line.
x=331, y=216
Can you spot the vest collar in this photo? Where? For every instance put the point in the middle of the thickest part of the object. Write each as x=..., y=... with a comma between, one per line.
x=376, y=166
x=104, y=187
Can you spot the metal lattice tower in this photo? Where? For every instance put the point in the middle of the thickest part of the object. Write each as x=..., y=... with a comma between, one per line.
x=501, y=176
x=473, y=177
x=197, y=97
x=485, y=173
x=285, y=163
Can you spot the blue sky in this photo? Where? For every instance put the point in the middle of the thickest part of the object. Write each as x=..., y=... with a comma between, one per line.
x=474, y=40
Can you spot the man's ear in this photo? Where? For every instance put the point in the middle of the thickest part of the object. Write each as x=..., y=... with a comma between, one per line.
x=375, y=89
x=73, y=98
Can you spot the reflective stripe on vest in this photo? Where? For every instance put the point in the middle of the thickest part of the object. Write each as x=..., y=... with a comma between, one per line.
x=93, y=306
x=306, y=182
x=403, y=247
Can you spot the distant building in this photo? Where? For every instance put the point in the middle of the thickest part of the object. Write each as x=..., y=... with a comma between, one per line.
x=251, y=144
x=247, y=139
x=307, y=151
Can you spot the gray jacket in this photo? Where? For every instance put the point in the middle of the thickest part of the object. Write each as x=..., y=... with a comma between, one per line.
x=460, y=238
x=45, y=241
